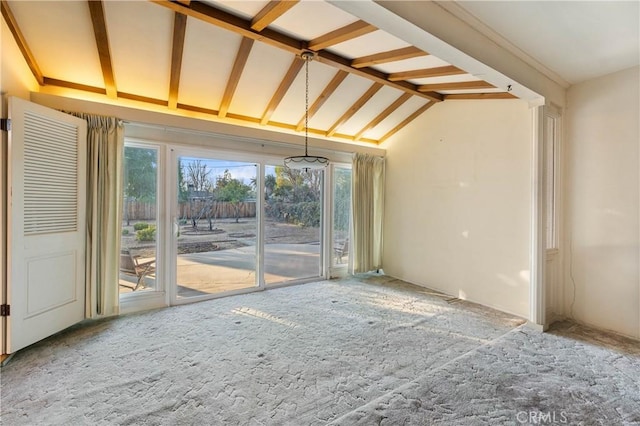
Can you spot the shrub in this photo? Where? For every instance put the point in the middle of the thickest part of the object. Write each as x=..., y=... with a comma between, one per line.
x=125, y=232
x=146, y=234
x=140, y=226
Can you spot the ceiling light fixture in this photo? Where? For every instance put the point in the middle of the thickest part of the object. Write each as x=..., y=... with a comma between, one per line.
x=306, y=162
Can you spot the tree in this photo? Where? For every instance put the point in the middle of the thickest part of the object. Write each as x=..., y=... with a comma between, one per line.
x=141, y=173
x=140, y=179
x=232, y=191
x=295, y=196
x=342, y=199
x=183, y=195
x=197, y=176
x=199, y=191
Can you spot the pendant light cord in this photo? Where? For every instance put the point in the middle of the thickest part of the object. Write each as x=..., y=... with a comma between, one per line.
x=306, y=105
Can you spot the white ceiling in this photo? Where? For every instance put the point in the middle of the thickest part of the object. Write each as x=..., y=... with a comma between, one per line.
x=576, y=40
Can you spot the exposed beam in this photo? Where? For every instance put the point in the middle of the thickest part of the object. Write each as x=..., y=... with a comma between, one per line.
x=274, y=38
x=406, y=121
x=96, y=8
x=341, y=63
x=179, y=30
x=353, y=30
x=328, y=91
x=238, y=66
x=291, y=75
x=426, y=73
x=462, y=85
x=185, y=2
x=272, y=11
x=465, y=96
x=389, y=56
x=355, y=107
x=384, y=114
x=238, y=25
x=144, y=99
x=21, y=42
x=70, y=85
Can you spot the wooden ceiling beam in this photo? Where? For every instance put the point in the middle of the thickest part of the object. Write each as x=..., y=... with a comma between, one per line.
x=462, y=85
x=76, y=86
x=21, y=42
x=238, y=66
x=389, y=56
x=272, y=11
x=227, y=21
x=468, y=96
x=274, y=38
x=355, y=107
x=291, y=75
x=406, y=121
x=326, y=93
x=351, y=31
x=384, y=114
x=341, y=63
x=426, y=73
x=179, y=31
x=96, y=8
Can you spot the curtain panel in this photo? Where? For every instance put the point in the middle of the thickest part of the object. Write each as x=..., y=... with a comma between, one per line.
x=368, y=205
x=105, y=145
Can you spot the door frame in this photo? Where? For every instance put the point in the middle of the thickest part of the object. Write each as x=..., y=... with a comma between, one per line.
x=538, y=284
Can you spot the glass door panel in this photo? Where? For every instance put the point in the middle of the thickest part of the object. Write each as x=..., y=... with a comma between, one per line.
x=341, y=215
x=217, y=226
x=139, y=220
x=293, y=217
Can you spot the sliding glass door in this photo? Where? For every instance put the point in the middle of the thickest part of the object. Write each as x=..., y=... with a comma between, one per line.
x=216, y=226
x=293, y=218
x=139, y=226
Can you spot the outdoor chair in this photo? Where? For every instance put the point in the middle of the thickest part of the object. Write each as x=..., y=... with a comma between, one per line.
x=341, y=250
x=131, y=264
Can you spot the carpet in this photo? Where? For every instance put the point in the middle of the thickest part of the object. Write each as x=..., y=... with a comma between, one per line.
x=365, y=350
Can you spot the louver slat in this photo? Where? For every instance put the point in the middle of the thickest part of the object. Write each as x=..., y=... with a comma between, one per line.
x=50, y=176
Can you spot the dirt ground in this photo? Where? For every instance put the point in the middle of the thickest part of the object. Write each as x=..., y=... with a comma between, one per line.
x=225, y=234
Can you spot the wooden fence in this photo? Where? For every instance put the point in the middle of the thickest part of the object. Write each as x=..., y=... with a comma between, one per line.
x=136, y=210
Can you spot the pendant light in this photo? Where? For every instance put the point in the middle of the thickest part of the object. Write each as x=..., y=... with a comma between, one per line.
x=306, y=162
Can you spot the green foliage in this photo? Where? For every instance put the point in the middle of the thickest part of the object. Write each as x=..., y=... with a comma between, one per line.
x=232, y=191
x=125, y=232
x=294, y=196
x=146, y=234
x=140, y=174
x=140, y=225
x=342, y=199
x=183, y=194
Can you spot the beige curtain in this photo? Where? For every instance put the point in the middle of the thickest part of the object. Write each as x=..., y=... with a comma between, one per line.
x=105, y=143
x=368, y=204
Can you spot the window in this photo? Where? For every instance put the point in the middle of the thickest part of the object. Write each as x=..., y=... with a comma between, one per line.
x=139, y=219
x=293, y=218
x=341, y=215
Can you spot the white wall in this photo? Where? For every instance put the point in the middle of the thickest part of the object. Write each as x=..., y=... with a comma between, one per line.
x=15, y=80
x=602, y=202
x=458, y=202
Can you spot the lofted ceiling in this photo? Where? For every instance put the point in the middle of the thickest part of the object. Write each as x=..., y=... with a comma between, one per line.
x=240, y=61
x=569, y=41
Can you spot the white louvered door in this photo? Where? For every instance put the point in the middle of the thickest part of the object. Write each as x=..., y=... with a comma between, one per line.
x=46, y=222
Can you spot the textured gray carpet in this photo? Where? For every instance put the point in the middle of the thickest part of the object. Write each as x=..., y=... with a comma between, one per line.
x=369, y=350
